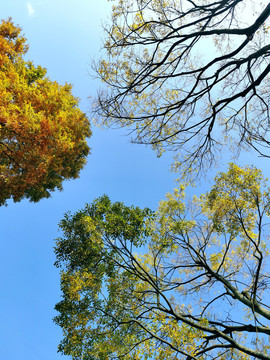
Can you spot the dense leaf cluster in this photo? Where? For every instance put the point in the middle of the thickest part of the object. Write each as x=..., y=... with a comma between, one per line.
x=42, y=131
x=188, y=282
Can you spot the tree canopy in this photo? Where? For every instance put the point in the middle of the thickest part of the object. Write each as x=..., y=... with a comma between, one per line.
x=190, y=76
x=42, y=131
x=190, y=281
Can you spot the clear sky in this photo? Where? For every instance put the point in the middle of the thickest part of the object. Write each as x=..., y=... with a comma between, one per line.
x=64, y=36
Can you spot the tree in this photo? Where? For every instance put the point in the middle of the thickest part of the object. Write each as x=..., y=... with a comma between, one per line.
x=187, y=282
x=189, y=76
x=42, y=131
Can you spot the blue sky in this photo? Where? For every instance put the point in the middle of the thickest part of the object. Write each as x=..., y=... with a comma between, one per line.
x=64, y=36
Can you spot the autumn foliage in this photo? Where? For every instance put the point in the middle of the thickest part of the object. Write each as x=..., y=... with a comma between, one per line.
x=42, y=131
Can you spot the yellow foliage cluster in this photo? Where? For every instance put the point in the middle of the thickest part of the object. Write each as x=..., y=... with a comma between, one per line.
x=42, y=131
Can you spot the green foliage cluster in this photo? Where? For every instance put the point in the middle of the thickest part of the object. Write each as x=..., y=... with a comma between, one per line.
x=189, y=281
